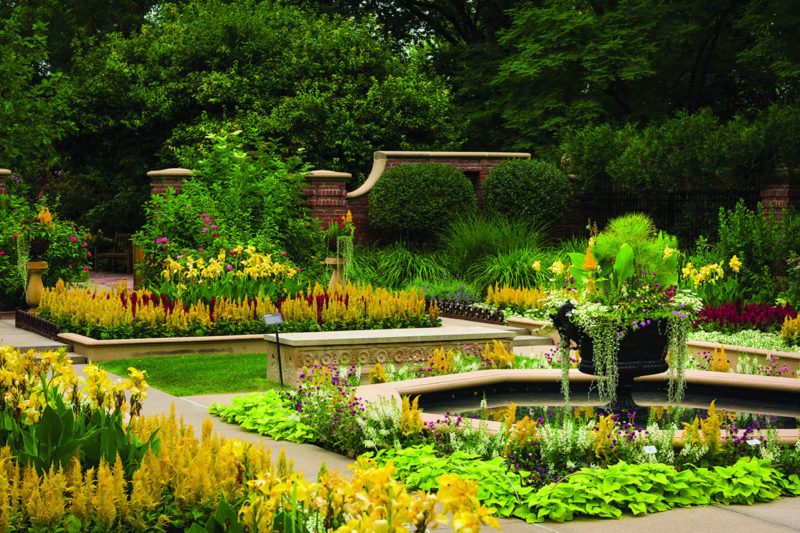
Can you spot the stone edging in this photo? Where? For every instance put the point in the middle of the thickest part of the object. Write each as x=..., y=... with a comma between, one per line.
x=396, y=389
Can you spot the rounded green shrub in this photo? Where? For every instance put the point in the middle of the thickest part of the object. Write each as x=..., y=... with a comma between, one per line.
x=415, y=201
x=535, y=190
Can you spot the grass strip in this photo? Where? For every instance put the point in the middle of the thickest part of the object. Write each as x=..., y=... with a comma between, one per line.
x=189, y=375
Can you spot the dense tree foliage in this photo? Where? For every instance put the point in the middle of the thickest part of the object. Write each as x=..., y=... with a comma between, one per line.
x=109, y=90
x=322, y=85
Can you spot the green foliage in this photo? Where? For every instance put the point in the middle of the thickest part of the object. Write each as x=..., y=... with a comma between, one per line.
x=233, y=198
x=270, y=413
x=530, y=189
x=636, y=61
x=34, y=113
x=413, y=201
x=466, y=240
x=64, y=431
x=511, y=268
x=333, y=90
x=631, y=244
x=648, y=488
x=419, y=467
x=761, y=244
x=66, y=258
x=446, y=288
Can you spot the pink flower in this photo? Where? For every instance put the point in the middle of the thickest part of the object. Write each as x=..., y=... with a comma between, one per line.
x=178, y=257
x=213, y=226
x=86, y=268
x=298, y=270
x=69, y=266
x=200, y=250
x=2, y=253
x=206, y=220
x=230, y=267
x=163, y=245
x=188, y=207
x=15, y=235
x=88, y=254
x=233, y=252
x=73, y=239
x=205, y=230
x=283, y=254
x=84, y=245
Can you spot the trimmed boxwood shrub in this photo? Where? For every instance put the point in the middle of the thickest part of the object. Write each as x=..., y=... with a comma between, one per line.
x=535, y=190
x=414, y=201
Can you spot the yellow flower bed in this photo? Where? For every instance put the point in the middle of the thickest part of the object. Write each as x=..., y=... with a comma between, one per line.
x=119, y=313
x=185, y=475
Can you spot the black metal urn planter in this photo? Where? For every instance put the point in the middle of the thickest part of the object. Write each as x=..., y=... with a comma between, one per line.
x=642, y=352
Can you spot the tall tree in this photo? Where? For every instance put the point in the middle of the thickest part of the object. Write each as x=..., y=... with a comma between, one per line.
x=324, y=85
x=638, y=60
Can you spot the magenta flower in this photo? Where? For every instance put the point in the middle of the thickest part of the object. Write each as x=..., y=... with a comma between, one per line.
x=298, y=270
x=230, y=267
x=73, y=239
x=88, y=254
x=86, y=268
x=205, y=230
x=84, y=245
x=15, y=235
x=213, y=226
x=283, y=254
x=2, y=253
x=200, y=250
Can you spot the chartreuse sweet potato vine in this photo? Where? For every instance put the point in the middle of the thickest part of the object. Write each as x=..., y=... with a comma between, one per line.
x=608, y=493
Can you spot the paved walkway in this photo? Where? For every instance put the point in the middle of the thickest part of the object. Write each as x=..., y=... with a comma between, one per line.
x=779, y=516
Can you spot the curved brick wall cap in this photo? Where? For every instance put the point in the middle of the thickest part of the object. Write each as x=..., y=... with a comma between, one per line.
x=331, y=174
x=4, y=172
x=380, y=157
x=169, y=172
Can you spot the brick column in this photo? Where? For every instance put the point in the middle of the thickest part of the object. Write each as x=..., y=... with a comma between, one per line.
x=326, y=194
x=779, y=194
x=161, y=180
x=3, y=173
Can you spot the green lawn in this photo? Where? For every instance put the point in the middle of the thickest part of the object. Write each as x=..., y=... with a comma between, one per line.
x=188, y=375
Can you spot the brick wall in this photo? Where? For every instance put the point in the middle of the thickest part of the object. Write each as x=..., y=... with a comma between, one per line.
x=161, y=180
x=776, y=198
x=326, y=195
x=476, y=165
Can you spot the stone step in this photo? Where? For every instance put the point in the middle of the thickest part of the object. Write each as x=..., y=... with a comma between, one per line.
x=518, y=331
x=532, y=340
x=76, y=359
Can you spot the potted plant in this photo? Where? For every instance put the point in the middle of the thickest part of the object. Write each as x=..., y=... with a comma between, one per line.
x=37, y=232
x=339, y=241
x=625, y=311
x=339, y=235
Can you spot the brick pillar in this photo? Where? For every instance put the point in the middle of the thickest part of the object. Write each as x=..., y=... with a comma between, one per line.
x=779, y=194
x=326, y=194
x=161, y=180
x=3, y=173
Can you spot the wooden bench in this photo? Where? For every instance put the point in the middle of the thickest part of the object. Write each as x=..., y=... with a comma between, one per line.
x=122, y=249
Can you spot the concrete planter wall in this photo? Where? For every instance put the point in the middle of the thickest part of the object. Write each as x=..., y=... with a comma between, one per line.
x=364, y=347
x=369, y=347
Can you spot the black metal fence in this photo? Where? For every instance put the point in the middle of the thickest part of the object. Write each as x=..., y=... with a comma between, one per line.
x=684, y=213
x=36, y=324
